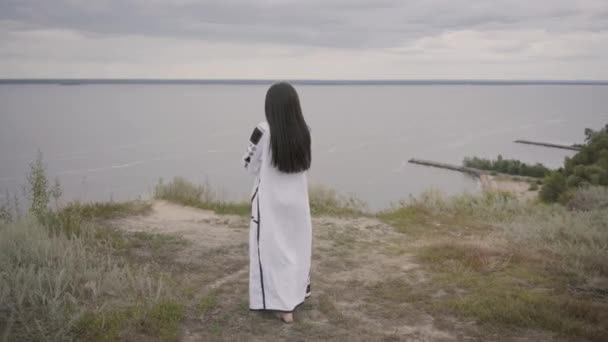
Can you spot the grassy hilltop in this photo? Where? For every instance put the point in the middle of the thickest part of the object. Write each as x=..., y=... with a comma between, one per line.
x=488, y=267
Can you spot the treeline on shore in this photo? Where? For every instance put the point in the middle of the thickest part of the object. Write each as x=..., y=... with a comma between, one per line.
x=588, y=167
x=508, y=166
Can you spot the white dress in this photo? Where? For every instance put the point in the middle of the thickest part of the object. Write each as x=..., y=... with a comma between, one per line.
x=280, y=233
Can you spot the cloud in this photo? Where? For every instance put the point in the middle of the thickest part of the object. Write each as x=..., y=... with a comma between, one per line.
x=273, y=38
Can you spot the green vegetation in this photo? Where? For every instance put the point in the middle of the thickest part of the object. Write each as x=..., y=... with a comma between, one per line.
x=509, y=263
x=62, y=271
x=588, y=198
x=507, y=166
x=208, y=303
x=105, y=210
x=184, y=192
x=323, y=200
x=7, y=210
x=156, y=321
x=50, y=280
x=326, y=201
x=554, y=185
x=474, y=265
x=587, y=167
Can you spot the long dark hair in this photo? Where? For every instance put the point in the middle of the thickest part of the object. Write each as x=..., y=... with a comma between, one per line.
x=289, y=134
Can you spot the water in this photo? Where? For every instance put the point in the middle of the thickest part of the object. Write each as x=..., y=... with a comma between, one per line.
x=114, y=141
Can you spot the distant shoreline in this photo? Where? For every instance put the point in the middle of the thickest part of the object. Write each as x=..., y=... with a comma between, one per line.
x=109, y=81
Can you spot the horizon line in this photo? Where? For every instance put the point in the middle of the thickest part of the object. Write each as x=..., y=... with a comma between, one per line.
x=253, y=81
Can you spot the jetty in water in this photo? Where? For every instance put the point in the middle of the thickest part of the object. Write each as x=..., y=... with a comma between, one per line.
x=477, y=173
x=552, y=145
x=468, y=170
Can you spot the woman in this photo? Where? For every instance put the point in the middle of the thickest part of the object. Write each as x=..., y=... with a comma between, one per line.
x=280, y=233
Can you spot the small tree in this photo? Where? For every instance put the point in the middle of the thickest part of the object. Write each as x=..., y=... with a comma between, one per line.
x=6, y=212
x=38, y=191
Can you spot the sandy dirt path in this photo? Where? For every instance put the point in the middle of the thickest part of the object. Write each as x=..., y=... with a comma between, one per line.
x=518, y=188
x=352, y=258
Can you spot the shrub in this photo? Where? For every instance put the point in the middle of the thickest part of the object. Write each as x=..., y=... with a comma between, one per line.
x=553, y=186
x=39, y=192
x=587, y=167
x=589, y=198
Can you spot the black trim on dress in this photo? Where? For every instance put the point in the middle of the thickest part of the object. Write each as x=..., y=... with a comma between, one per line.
x=260, y=260
x=255, y=193
x=284, y=311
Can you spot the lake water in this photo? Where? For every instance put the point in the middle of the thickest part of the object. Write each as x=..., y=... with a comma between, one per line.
x=114, y=141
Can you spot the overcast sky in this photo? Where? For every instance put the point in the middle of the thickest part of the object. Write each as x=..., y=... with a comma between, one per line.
x=305, y=39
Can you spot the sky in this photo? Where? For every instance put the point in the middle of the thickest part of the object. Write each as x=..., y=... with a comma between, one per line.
x=305, y=39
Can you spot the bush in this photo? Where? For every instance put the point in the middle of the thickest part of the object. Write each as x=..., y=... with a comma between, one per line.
x=587, y=167
x=590, y=198
x=553, y=186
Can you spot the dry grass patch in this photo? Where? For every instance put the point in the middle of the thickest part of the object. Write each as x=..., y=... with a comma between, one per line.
x=184, y=192
x=393, y=290
x=327, y=202
x=419, y=221
x=105, y=210
x=474, y=256
x=499, y=288
x=50, y=281
x=508, y=263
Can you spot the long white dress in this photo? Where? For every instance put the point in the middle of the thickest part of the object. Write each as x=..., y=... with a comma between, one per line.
x=280, y=233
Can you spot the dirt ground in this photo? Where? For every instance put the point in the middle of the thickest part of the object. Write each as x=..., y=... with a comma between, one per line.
x=364, y=282
x=503, y=184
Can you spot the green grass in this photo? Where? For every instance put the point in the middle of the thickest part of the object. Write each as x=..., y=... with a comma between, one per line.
x=505, y=262
x=493, y=287
x=184, y=192
x=497, y=287
x=421, y=221
x=407, y=219
x=208, y=303
x=519, y=295
x=163, y=320
x=48, y=280
x=105, y=210
x=104, y=326
x=330, y=310
x=157, y=322
x=577, y=237
x=73, y=217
